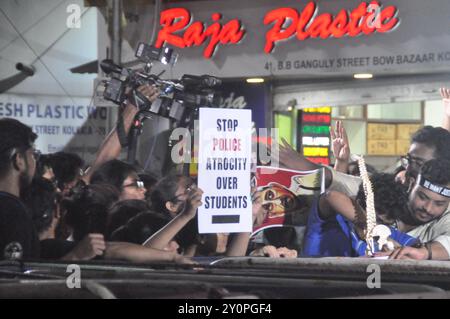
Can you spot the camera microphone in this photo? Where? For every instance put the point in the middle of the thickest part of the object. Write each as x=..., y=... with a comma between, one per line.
x=108, y=66
x=202, y=80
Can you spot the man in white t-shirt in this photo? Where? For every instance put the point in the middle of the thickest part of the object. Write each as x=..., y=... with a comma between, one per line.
x=428, y=143
x=436, y=230
x=429, y=218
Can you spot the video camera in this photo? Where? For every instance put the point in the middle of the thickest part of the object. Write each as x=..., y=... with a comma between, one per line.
x=177, y=99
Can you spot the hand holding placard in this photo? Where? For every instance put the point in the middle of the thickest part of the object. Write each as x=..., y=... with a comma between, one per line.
x=194, y=201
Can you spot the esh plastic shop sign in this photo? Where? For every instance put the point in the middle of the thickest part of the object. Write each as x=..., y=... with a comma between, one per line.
x=225, y=145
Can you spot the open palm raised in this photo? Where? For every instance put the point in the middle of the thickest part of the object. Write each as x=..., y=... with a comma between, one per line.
x=445, y=94
x=339, y=142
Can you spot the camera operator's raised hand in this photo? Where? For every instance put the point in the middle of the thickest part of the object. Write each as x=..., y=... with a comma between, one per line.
x=150, y=92
x=112, y=146
x=142, y=97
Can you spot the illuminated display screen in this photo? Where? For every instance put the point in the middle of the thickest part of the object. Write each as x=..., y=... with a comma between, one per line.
x=314, y=134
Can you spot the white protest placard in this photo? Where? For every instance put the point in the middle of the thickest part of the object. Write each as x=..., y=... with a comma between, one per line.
x=225, y=145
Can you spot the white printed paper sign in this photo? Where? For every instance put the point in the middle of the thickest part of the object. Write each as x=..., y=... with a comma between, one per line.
x=224, y=171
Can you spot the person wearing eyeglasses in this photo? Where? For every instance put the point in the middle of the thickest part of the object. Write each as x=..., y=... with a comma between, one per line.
x=170, y=194
x=429, y=218
x=123, y=177
x=427, y=144
x=178, y=197
x=133, y=188
x=18, y=237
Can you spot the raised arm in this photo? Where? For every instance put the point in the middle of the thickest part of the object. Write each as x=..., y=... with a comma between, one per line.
x=445, y=94
x=111, y=148
x=292, y=159
x=341, y=182
x=340, y=147
x=162, y=238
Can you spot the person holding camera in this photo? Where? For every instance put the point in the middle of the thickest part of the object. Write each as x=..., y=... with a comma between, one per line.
x=112, y=146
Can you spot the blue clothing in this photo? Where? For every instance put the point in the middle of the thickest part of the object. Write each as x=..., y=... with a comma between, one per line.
x=359, y=246
x=324, y=237
x=337, y=237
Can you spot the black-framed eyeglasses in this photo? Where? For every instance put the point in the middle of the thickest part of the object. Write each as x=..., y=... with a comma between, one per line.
x=409, y=160
x=138, y=184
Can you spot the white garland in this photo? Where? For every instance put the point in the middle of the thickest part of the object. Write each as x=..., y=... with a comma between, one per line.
x=371, y=219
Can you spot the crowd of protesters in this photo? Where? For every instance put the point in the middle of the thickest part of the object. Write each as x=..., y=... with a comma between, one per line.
x=53, y=208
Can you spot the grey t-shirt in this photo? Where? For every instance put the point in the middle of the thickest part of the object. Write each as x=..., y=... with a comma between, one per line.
x=437, y=230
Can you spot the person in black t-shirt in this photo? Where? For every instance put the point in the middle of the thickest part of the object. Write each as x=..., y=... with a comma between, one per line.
x=18, y=238
x=42, y=201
